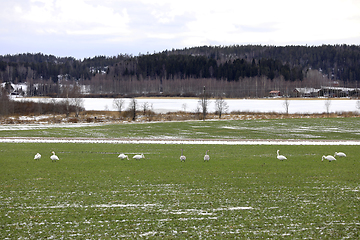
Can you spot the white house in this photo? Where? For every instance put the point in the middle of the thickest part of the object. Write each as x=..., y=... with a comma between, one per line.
x=307, y=92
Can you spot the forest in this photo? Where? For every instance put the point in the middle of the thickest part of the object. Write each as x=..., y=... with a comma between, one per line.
x=229, y=71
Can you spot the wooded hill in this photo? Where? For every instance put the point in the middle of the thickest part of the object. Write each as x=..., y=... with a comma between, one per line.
x=244, y=69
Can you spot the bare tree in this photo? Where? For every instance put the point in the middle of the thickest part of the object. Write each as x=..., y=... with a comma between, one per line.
x=55, y=108
x=76, y=99
x=327, y=105
x=145, y=107
x=204, y=102
x=66, y=102
x=197, y=112
x=150, y=112
x=39, y=108
x=221, y=106
x=132, y=108
x=79, y=105
x=118, y=103
x=4, y=102
x=286, y=104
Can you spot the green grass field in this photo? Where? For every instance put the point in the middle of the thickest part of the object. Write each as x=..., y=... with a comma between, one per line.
x=302, y=128
x=243, y=192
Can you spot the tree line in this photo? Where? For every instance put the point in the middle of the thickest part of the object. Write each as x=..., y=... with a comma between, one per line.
x=341, y=62
x=24, y=67
x=235, y=71
x=190, y=66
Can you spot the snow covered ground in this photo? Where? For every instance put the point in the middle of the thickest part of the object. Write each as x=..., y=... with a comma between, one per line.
x=163, y=105
x=179, y=141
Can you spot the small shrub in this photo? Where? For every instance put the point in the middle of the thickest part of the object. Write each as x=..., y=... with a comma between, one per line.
x=73, y=120
x=89, y=119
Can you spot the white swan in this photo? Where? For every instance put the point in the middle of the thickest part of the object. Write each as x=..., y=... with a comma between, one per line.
x=123, y=156
x=328, y=157
x=280, y=157
x=182, y=157
x=53, y=157
x=37, y=156
x=139, y=156
x=339, y=154
x=206, y=157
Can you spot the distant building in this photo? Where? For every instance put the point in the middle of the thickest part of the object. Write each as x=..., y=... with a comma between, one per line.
x=326, y=92
x=306, y=92
x=339, y=92
x=275, y=93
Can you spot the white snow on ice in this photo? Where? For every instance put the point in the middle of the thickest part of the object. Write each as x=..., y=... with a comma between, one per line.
x=163, y=105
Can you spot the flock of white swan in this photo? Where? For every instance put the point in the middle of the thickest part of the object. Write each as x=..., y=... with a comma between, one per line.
x=182, y=156
x=330, y=158
x=137, y=156
x=122, y=156
x=53, y=157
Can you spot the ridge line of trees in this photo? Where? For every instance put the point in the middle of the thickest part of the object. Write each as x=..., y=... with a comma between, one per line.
x=189, y=66
x=183, y=71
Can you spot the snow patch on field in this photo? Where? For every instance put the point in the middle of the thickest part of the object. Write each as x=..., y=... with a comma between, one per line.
x=177, y=141
x=15, y=127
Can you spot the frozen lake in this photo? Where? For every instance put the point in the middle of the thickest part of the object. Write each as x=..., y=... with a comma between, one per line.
x=163, y=105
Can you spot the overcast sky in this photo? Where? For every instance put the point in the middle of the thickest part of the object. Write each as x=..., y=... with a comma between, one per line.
x=87, y=28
